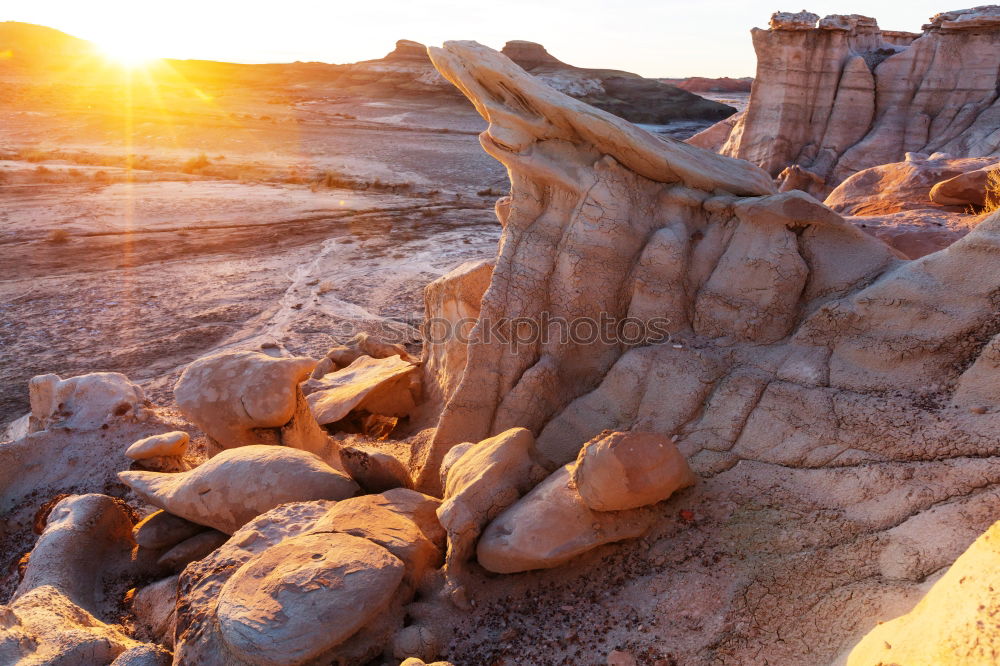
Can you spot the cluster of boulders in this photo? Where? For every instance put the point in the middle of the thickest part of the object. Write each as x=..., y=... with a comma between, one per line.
x=920, y=205
x=263, y=545
x=502, y=507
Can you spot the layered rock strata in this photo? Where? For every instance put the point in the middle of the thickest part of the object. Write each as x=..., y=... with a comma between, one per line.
x=838, y=95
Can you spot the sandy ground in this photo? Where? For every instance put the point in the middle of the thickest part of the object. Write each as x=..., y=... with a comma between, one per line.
x=153, y=275
x=143, y=271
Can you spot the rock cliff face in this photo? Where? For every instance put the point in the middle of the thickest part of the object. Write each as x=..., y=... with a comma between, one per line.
x=604, y=221
x=838, y=95
x=804, y=357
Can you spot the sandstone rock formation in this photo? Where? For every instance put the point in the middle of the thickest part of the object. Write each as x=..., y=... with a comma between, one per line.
x=893, y=202
x=402, y=521
x=481, y=480
x=714, y=137
x=240, y=398
x=41, y=469
x=239, y=484
x=86, y=402
x=836, y=403
x=161, y=529
x=953, y=624
x=341, y=356
x=154, y=608
x=168, y=444
x=891, y=188
x=785, y=245
x=617, y=471
x=375, y=385
x=45, y=627
x=191, y=549
x=163, y=453
x=87, y=541
x=805, y=360
x=589, y=502
x=308, y=582
x=451, y=307
x=550, y=526
x=270, y=609
x=838, y=95
x=76, y=570
x=971, y=188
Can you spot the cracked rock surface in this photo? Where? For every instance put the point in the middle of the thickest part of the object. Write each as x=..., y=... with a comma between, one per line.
x=812, y=379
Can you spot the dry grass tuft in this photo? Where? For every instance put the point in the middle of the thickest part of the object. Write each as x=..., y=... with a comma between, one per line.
x=991, y=201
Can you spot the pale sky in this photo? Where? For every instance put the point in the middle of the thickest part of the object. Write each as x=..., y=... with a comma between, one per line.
x=649, y=37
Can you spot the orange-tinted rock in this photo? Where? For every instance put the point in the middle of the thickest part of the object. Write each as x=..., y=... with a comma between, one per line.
x=626, y=470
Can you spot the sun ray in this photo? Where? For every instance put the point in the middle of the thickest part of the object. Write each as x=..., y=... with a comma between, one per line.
x=125, y=50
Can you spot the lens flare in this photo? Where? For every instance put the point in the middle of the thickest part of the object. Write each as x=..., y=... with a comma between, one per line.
x=125, y=50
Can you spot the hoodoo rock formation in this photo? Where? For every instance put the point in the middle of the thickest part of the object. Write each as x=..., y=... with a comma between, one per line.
x=837, y=95
x=796, y=342
x=795, y=426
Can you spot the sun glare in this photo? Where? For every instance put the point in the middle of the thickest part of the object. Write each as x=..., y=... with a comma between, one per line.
x=125, y=50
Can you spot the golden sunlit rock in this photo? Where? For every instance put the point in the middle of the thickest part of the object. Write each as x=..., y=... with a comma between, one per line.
x=468, y=355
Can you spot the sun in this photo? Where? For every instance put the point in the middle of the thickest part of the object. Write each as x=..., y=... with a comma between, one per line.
x=125, y=50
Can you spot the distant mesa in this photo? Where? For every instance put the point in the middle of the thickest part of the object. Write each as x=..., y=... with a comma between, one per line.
x=405, y=72
x=409, y=50
x=408, y=71
x=700, y=84
x=624, y=94
x=530, y=55
x=26, y=43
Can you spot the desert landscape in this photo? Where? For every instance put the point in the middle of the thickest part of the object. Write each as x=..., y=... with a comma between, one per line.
x=471, y=356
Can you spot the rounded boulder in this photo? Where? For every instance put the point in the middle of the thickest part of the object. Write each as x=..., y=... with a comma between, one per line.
x=300, y=599
x=625, y=470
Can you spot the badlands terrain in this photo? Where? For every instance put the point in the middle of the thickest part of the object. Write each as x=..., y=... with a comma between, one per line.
x=763, y=429
x=216, y=203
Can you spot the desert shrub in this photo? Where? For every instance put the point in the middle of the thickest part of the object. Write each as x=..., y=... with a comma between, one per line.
x=143, y=162
x=58, y=236
x=196, y=164
x=992, y=198
x=333, y=180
